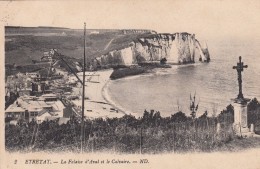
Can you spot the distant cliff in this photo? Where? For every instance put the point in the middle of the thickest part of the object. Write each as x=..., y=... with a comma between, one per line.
x=177, y=48
x=104, y=47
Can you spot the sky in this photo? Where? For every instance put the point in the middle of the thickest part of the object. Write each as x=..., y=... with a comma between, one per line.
x=207, y=19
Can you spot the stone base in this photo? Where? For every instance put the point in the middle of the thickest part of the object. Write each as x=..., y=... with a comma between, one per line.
x=240, y=118
x=240, y=131
x=240, y=114
x=256, y=135
x=248, y=134
x=243, y=131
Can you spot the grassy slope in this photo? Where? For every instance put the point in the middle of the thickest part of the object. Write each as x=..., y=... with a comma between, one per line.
x=24, y=44
x=239, y=144
x=25, y=48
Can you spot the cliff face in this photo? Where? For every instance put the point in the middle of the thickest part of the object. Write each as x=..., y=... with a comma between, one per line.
x=178, y=48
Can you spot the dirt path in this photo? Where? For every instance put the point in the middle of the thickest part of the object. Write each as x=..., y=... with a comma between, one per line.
x=108, y=44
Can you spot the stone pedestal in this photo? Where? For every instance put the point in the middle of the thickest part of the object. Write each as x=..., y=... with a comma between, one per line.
x=240, y=118
x=252, y=128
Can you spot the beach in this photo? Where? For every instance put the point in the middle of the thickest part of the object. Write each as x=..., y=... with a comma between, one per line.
x=107, y=97
x=98, y=103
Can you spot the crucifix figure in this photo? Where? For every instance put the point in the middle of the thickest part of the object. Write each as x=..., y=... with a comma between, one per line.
x=240, y=67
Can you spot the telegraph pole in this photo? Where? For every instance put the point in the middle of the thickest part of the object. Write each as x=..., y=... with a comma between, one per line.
x=141, y=139
x=83, y=91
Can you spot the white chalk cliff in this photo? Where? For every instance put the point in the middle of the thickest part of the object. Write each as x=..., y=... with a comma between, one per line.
x=178, y=48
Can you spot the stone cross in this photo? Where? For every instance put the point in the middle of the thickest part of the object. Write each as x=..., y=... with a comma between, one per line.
x=240, y=67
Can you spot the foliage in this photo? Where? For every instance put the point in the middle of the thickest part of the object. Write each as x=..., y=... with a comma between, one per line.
x=163, y=61
x=253, y=112
x=227, y=114
x=179, y=117
x=150, y=133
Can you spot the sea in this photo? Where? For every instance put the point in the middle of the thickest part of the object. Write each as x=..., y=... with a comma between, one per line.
x=214, y=84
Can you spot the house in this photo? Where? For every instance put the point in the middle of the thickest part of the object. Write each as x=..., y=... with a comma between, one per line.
x=48, y=117
x=63, y=120
x=13, y=122
x=24, y=92
x=44, y=115
x=48, y=56
x=19, y=74
x=31, y=74
x=50, y=97
x=94, y=32
x=32, y=107
x=15, y=112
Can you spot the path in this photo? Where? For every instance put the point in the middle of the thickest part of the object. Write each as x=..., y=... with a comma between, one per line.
x=108, y=44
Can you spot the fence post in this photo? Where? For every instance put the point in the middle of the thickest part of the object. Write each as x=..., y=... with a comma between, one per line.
x=189, y=134
x=141, y=141
x=174, y=137
x=218, y=128
x=115, y=142
x=252, y=128
x=213, y=131
x=208, y=133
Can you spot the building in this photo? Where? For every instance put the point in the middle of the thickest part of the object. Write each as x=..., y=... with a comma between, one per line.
x=24, y=92
x=48, y=56
x=37, y=108
x=50, y=97
x=32, y=74
x=19, y=74
x=94, y=32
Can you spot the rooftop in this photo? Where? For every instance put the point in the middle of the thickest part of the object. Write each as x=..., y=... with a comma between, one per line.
x=49, y=95
x=14, y=109
x=36, y=104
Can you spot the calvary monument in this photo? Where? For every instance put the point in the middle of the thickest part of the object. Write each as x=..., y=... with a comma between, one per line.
x=240, y=104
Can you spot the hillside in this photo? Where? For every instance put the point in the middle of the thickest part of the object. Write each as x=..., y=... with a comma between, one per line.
x=25, y=44
x=104, y=48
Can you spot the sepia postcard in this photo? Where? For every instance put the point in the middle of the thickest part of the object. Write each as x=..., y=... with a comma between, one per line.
x=130, y=84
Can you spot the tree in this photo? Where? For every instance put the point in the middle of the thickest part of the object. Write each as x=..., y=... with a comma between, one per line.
x=179, y=117
x=204, y=115
x=227, y=114
x=163, y=61
x=253, y=111
x=253, y=104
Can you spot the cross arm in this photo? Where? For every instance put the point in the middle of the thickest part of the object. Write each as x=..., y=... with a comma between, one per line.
x=59, y=56
x=71, y=70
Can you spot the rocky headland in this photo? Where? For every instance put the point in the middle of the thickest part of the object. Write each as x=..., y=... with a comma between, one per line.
x=177, y=48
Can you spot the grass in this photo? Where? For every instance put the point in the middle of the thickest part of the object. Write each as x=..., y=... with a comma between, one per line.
x=22, y=45
x=25, y=44
x=239, y=144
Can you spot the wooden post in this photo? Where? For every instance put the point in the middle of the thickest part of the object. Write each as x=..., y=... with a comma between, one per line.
x=252, y=128
x=174, y=137
x=141, y=140
x=83, y=93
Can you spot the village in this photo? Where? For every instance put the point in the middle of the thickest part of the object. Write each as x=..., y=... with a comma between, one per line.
x=54, y=93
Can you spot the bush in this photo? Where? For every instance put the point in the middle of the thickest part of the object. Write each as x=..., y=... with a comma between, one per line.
x=150, y=134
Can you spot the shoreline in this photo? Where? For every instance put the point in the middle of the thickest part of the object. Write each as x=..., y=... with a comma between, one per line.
x=107, y=97
x=99, y=105
x=109, y=100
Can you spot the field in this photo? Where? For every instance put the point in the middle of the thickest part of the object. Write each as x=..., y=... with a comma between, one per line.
x=25, y=44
